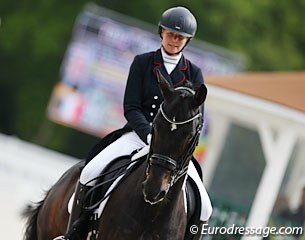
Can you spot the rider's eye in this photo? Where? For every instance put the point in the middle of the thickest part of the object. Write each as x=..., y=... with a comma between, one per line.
x=169, y=34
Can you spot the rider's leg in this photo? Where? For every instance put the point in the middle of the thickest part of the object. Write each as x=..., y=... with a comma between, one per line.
x=125, y=145
x=74, y=223
x=79, y=203
x=206, y=206
x=199, y=235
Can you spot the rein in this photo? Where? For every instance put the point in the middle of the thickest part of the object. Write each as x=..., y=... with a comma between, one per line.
x=125, y=170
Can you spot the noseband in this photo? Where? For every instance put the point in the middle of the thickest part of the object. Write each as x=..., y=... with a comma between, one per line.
x=177, y=171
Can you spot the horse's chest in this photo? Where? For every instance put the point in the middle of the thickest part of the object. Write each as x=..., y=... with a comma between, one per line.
x=132, y=231
x=156, y=232
x=148, y=235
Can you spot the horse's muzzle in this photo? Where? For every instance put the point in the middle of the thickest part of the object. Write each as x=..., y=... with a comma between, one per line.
x=153, y=195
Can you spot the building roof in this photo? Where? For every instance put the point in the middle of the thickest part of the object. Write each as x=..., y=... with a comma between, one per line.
x=284, y=88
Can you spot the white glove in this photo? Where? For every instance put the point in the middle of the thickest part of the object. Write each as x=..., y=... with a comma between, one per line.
x=148, y=138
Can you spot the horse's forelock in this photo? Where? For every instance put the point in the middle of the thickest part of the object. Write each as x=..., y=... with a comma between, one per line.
x=185, y=95
x=180, y=106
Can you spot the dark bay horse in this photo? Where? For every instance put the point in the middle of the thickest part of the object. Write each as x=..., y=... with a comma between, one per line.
x=149, y=203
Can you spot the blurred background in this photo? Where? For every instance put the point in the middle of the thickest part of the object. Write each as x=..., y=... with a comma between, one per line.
x=63, y=71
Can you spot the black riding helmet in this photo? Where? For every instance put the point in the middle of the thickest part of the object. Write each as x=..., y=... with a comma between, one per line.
x=178, y=20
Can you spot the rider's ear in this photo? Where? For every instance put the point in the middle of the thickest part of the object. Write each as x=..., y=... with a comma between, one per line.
x=166, y=89
x=200, y=95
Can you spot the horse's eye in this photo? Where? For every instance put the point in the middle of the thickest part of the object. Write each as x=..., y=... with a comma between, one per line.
x=189, y=136
x=157, y=126
x=186, y=134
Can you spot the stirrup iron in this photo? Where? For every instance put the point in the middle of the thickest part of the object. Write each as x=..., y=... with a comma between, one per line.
x=60, y=238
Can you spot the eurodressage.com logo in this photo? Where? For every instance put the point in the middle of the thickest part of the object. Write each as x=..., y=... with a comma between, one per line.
x=247, y=231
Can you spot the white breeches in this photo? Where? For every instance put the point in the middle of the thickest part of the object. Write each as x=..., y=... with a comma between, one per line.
x=125, y=145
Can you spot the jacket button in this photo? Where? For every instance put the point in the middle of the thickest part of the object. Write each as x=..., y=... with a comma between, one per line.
x=153, y=106
x=151, y=114
x=156, y=97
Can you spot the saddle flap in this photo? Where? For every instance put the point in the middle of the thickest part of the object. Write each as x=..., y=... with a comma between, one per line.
x=111, y=172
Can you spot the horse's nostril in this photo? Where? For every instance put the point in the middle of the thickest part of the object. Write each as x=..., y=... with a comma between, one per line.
x=143, y=185
x=161, y=194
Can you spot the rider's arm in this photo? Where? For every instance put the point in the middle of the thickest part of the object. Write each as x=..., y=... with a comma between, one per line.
x=133, y=101
x=196, y=76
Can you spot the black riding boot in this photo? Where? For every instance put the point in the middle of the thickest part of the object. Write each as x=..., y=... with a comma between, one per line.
x=79, y=217
x=199, y=234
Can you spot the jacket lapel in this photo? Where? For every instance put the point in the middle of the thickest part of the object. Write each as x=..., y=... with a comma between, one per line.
x=159, y=64
x=177, y=76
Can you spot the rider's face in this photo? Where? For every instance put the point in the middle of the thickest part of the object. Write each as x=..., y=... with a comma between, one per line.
x=172, y=42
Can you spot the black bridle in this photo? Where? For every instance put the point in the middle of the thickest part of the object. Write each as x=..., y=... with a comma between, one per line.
x=177, y=170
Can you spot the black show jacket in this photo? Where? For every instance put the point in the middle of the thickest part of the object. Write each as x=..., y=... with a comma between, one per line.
x=143, y=96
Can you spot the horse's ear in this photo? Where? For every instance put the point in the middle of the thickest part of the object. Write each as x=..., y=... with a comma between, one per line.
x=166, y=89
x=200, y=95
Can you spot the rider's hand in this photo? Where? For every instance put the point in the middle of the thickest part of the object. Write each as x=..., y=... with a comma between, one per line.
x=148, y=139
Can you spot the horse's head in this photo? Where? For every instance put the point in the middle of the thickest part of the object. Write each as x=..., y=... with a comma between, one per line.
x=176, y=130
